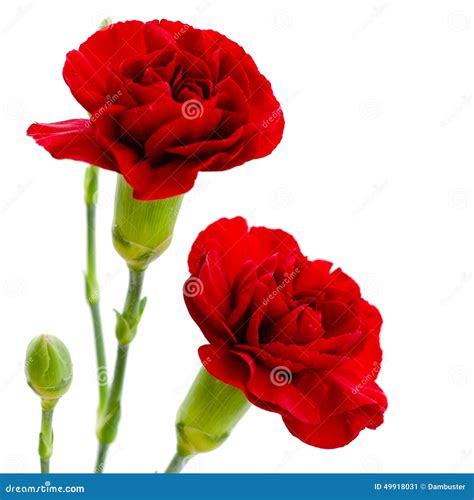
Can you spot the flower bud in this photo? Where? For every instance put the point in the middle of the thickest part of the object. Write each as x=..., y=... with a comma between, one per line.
x=142, y=230
x=208, y=414
x=48, y=368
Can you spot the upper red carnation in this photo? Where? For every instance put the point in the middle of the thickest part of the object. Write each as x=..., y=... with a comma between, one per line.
x=295, y=336
x=166, y=101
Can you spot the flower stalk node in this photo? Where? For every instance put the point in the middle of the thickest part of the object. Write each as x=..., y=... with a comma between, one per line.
x=91, y=185
x=124, y=331
x=92, y=289
x=46, y=437
x=107, y=425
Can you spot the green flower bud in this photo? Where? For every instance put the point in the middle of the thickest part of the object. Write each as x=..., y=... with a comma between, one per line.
x=105, y=23
x=208, y=414
x=48, y=368
x=142, y=230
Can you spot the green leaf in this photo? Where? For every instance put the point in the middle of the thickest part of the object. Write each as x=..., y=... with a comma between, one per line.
x=141, y=308
x=123, y=332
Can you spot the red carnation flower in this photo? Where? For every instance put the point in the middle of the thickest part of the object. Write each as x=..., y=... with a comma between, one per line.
x=295, y=336
x=166, y=101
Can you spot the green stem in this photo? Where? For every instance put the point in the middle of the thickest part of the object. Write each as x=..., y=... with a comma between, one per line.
x=101, y=457
x=177, y=464
x=100, y=357
x=45, y=447
x=91, y=183
x=110, y=417
x=134, y=292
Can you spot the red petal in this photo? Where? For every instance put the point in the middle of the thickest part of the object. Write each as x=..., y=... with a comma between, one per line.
x=207, y=316
x=72, y=140
x=159, y=183
x=228, y=236
x=223, y=364
x=346, y=410
x=337, y=430
x=110, y=46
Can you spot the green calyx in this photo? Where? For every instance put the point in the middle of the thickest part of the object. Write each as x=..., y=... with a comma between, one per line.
x=48, y=369
x=142, y=230
x=208, y=414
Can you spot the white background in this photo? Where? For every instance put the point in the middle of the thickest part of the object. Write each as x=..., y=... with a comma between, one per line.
x=375, y=173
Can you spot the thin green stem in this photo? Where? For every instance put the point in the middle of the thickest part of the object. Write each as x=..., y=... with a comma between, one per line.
x=91, y=260
x=91, y=184
x=101, y=457
x=45, y=448
x=134, y=292
x=110, y=418
x=177, y=464
x=100, y=356
x=91, y=189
